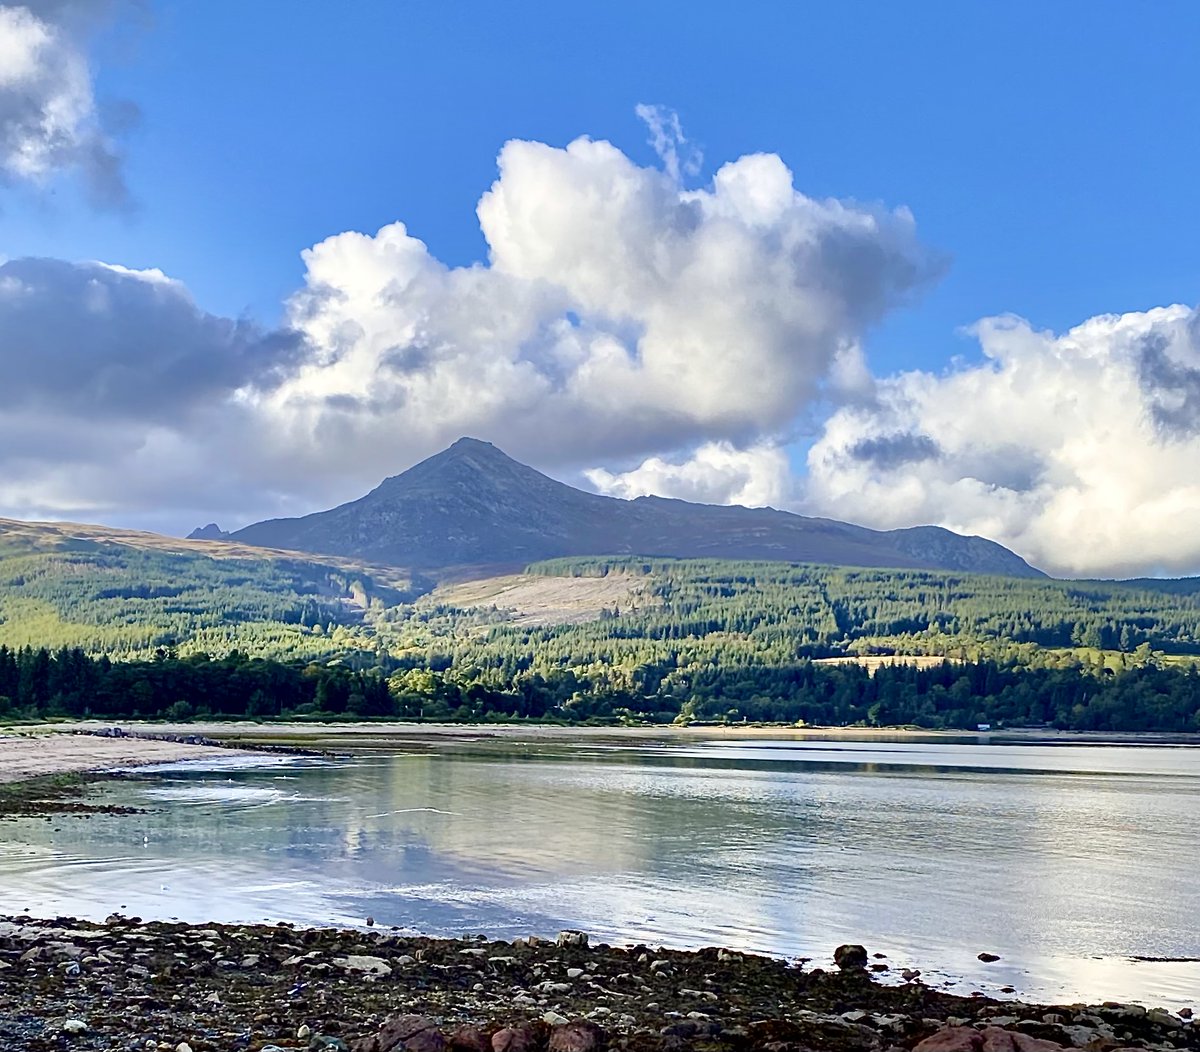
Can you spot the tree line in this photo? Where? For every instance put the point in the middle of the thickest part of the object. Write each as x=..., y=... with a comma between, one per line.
x=69, y=683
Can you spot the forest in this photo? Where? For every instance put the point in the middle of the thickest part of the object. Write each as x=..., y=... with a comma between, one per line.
x=126, y=602
x=106, y=630
x=68, y=683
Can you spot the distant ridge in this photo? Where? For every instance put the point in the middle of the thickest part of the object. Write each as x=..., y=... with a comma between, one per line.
x=211, y=532
x=472, y=506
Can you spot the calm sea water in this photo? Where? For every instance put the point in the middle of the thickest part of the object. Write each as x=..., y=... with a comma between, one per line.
x=1068, y=861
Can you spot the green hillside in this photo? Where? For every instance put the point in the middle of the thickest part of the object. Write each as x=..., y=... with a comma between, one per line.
x=708, y=639
x=127, y=594
x=583, y=638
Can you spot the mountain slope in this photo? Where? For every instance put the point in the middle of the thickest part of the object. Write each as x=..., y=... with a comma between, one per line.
x=126, y=593
x=471, y=506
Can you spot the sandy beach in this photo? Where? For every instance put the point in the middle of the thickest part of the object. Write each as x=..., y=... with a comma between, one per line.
x=24, y=756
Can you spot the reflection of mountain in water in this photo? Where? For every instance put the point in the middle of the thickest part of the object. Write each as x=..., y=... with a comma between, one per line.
x=928, y=852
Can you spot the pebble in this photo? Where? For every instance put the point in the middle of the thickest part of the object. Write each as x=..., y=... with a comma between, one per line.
x=539, y=993
x=363, y=963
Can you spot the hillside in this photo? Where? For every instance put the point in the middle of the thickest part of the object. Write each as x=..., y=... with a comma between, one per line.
x=473, y=511
x=583, y=639
x=717, y=618
x=126, y=593
x=577, y=639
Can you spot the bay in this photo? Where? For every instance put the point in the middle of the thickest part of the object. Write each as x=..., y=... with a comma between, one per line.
x=1069, y=861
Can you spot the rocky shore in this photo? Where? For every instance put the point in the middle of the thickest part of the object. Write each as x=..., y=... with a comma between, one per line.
x=125, y=984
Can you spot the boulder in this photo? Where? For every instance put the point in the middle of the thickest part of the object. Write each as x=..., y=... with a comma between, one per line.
x=850, y=957
x=952, y=1039
x=468, y=1039
x=989, y=1039
x=1161, y=1017
x=412, y=1033
x=580, y=1035
x=573, y=938
x=515, y=1039
x=996, y=1039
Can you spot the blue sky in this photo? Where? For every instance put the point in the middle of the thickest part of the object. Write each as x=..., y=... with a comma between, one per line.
x=1044, y=148
x=1046, y=152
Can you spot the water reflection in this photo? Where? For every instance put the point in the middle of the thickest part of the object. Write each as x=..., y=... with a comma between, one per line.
x=1065, y=861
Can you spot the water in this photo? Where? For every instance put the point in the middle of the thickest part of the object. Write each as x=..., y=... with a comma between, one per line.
x=1068, y=861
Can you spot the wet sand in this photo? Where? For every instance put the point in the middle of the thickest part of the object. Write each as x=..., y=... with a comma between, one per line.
x=26, y=756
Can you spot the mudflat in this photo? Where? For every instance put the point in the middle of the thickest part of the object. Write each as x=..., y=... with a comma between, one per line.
x=25, y=756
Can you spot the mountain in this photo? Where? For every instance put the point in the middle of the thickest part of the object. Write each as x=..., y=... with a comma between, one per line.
x=471, y=507
x=211, y=532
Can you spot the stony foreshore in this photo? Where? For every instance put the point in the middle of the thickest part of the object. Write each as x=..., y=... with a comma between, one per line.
x=125, y=984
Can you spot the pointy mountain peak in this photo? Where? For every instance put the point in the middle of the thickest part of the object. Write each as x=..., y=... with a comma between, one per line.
x=469, y=462
x=468, y=444
x=478, y=454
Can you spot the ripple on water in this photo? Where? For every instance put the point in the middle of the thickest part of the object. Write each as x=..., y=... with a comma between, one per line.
x=231, y=793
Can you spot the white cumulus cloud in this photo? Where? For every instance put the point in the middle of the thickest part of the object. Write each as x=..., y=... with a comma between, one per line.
x=49, y=120
x=1079, y=449
x=715, y=473
x=618, y=315
x=617, y=312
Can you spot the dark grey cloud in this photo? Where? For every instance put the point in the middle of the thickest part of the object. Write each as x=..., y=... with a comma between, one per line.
x=1171, y=386
x=893, y=451
x=85, y=339
x=1004, y=467
x=869, y=268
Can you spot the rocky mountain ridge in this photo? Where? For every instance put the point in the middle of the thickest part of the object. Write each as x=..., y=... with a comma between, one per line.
x=472, y=506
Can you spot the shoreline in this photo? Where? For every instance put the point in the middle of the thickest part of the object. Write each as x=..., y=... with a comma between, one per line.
x=233, y=731
x=248, y=987
x=42, y=754
x=91, y=756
